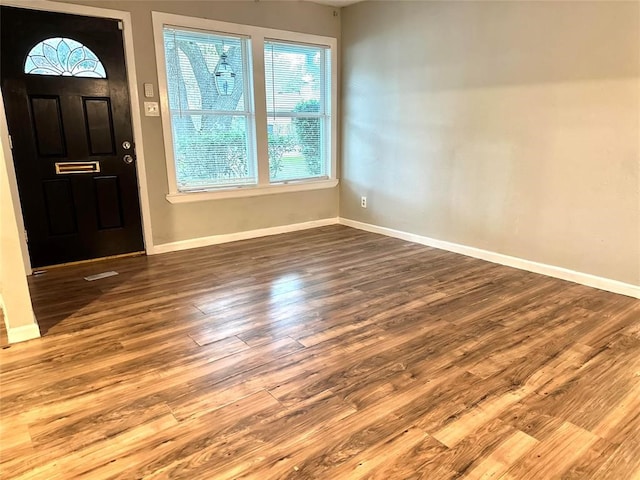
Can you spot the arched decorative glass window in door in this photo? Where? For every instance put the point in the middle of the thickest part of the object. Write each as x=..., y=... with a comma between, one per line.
x=63, y=57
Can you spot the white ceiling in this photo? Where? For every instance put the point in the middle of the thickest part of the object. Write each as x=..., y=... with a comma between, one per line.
x=336, y=3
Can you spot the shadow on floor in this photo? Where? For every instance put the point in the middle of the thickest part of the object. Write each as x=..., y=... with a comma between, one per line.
x=82, y=299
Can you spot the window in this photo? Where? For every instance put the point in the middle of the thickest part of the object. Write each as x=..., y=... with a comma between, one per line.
x=210, y=109
x=63, y=57
x=297, y=110
x=245, y=110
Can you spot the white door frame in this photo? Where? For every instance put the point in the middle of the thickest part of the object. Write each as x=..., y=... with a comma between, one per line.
x=127, y=33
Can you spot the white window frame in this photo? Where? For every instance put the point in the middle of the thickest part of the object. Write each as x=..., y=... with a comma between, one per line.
x=257, y=36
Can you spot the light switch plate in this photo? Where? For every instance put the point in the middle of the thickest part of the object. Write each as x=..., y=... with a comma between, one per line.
x=148, y=90
x=151, y=109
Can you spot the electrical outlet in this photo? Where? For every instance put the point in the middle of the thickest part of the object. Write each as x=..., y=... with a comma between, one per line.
x=151, y=109
x=363, y=202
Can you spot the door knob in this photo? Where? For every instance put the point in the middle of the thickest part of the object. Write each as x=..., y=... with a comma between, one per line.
x=127, y=159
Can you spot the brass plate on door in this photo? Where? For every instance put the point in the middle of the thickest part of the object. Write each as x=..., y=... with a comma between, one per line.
x=63, y=168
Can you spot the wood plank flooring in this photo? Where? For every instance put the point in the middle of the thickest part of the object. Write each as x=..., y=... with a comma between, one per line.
x=330, y=354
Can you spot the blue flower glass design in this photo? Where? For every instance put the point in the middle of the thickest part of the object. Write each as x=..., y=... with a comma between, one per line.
x=63, y=57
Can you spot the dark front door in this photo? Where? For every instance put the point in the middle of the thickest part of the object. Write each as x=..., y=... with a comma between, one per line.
x=65, y=91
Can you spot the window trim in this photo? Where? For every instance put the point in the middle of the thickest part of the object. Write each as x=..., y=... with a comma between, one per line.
x=257, y=36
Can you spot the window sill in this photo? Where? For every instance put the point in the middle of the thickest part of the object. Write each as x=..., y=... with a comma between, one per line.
x=238, y=192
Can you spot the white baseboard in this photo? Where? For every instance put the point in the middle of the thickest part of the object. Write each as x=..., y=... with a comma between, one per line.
x=233, y=237
x=19, y=334
x=515, y=262
x=4, y=317
x=23, y=333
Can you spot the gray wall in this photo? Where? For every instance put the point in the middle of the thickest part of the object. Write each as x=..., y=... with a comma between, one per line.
x=507, y=126
x=173, y=222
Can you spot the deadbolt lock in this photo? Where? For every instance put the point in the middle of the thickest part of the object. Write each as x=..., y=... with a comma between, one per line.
x=127, y=159
x=126, y=145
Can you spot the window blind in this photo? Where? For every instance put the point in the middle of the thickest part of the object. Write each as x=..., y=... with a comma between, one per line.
x=296, y=81
x=211, y=119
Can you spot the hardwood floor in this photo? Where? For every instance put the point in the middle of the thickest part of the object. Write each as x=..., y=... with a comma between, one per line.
x=329, y=353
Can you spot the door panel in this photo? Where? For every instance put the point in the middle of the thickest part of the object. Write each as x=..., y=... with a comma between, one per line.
x=47, y=126
x=99, y=126
x=108, y=202
x=70, y=114
x=60, y=209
